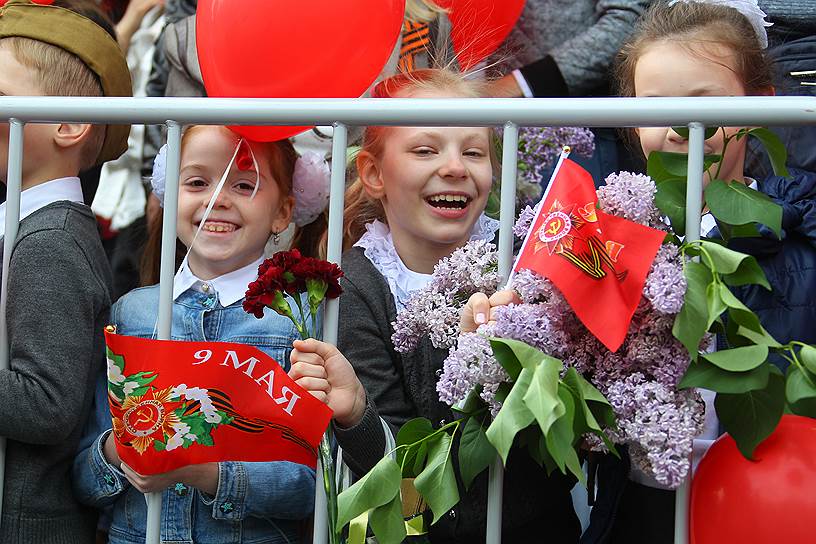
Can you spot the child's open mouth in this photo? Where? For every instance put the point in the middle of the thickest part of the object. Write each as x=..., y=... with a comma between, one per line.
x=219, y=226
x=448, y=201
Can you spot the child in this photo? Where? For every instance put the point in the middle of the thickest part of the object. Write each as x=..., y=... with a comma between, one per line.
x=701, y=49
x=59, y=280
x=228, y=501
x=420, y=196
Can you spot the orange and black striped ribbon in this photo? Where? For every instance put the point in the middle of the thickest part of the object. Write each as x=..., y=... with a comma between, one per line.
x=415, y=39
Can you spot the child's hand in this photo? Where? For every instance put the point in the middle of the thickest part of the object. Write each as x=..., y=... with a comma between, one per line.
x=203, y=477
x=323, y=371
x=479, y=308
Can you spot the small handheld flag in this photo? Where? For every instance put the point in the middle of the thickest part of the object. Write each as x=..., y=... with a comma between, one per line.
x=598, y=261
x=180, y=403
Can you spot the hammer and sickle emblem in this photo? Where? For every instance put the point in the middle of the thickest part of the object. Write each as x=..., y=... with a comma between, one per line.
x=555, y=226
x=144, y=415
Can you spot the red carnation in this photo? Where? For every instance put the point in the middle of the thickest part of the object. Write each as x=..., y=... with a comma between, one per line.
x=321, y=271
x=289, y=272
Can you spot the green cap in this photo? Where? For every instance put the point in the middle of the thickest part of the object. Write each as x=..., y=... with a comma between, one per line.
x=79, y=35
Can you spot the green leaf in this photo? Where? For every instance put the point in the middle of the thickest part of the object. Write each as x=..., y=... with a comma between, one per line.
x=473, y=405
x=475, y=451
x=561, y=438
x=737, y=204
x=708, y=376
x=739, y=313
x=158, y=445
x=728, y=231
x=437, y=483
x=684, y=132
x=664, y=165
x=598, y=408
x=808, y=357
x=541, y=397
x=797, y=386
x=379, y=486
x=714, y=303
x=512, y=417
x=670, y=199
x=690, y=324
x=409, y=434
x=725, y=261
x=493, y=207
x=420, y=456
x=738, y=359
x=775, y=149
x=763, y=338
x=752, y=416
x=414, y=431
x=748, y=273
x=525, y=355
x=387, y=522
x=800, y=393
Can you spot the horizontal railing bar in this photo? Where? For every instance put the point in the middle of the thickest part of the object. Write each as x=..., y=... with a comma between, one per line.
x=594, y=112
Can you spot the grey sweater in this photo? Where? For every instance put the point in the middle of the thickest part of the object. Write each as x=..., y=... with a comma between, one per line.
x=58, y=305
x=571, y=44
x=403, y=386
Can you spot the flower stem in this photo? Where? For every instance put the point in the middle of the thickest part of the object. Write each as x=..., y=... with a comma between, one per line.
x=329, y=484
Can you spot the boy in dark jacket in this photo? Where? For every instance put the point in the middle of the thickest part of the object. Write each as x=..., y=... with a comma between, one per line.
x=58, y=292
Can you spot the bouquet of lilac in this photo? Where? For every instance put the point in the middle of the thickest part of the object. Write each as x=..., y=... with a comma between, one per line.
x=640, y=380
x=433, y=311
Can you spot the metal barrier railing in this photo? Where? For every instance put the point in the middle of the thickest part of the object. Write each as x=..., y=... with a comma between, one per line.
x=696, y=113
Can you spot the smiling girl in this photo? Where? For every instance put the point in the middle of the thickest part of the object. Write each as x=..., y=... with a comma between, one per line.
x=226, y=502
x=420, y=195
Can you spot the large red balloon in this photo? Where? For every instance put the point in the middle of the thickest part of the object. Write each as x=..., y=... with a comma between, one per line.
x=771, y=500
x=480, y=26
x=294, y=49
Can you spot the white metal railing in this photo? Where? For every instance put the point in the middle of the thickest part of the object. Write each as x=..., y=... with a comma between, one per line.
x=696, y=113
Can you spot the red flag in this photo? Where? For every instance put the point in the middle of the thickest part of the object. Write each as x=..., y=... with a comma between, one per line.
x=598, y=261
x=181, y=403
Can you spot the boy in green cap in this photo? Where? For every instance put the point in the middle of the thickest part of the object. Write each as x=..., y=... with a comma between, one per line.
x=59, y=279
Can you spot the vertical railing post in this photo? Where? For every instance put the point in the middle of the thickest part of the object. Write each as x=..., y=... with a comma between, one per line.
x=334, y=251
x=694, y=206
x=14, y=181
x=507, y=217
x=166, y=274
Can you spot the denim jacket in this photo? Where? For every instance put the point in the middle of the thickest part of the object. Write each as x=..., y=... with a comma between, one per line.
x=254, y=502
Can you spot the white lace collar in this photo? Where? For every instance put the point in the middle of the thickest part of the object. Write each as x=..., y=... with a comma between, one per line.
x=379, y=249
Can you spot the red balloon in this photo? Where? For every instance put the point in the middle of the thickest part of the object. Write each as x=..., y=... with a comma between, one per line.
x=767, y=501
x=293, y=49
x=480, y=26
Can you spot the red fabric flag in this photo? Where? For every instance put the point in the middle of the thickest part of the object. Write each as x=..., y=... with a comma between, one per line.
x=181, y=403
x=598, y=261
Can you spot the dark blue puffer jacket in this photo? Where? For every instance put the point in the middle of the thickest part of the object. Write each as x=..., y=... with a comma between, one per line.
x=788, y=312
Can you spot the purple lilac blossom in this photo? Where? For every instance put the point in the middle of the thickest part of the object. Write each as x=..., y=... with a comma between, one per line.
x=665, y=285
x=631, y=196
x=524, y=222
x=471, y=363
x=659, y=423
x=433, y=311
x=532, y=324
